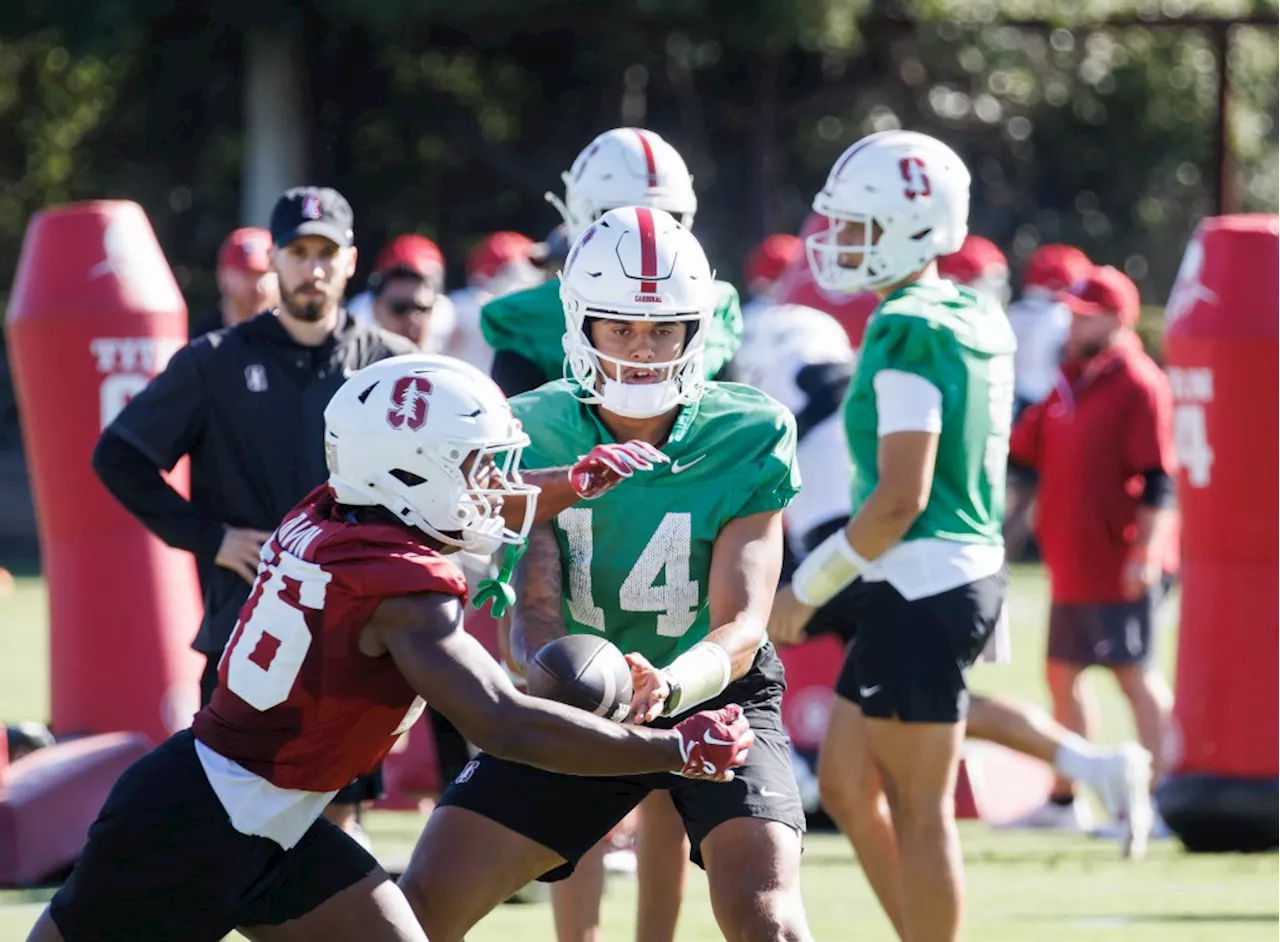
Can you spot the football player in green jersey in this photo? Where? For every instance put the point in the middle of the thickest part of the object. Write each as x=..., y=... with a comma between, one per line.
x=677, y=569
x=927, y=420
x=622, y=167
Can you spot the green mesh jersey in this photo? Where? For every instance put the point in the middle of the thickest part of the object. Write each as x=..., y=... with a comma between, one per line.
x=637, y=560
x=964, y=346
x=531, y=323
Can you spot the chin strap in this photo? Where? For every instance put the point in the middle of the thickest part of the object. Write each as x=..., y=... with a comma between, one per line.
x=498, y=591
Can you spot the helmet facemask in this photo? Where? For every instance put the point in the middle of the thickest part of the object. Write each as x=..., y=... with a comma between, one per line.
x=680, y=381
x=856, y=253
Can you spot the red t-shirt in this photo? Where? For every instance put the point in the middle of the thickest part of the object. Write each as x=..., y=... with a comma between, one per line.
x=297, y=703
x=1103, y=425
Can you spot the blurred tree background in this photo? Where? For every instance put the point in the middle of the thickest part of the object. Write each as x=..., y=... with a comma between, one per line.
x=1089, y=122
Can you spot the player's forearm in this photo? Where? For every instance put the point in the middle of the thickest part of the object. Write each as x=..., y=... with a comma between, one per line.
x=562, y=739
x=741, y=639
x=537, y=619
x=1153, y=525
x=557, y=492
x=882, y=521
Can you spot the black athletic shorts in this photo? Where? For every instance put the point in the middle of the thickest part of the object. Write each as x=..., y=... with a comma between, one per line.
x=1112, y=634
x=909, y=658
x=570, y=813
x=163, y=862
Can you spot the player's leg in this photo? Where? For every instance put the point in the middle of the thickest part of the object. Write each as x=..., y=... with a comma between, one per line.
x=1119, y=774
x=662, y=856
x=44, y=930
x=575, y=900
x=1074, y=634
x=919, y=762
x=1127, y=629
x=753, y=873
x=910, y=659
x=372, y=910
x=161, y=862
x=499, y=826
x=747, y=834
x=853, y=794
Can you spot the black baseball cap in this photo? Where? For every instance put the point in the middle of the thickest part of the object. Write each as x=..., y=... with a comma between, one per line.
x=312, y=210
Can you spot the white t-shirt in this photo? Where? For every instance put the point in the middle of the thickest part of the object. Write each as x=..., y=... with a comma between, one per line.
x=1041, y=325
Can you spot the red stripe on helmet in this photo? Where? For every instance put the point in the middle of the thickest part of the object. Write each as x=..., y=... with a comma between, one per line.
x=648, y=158
x=648, y=250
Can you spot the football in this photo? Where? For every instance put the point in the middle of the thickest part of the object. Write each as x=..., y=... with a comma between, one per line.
x=585, y=671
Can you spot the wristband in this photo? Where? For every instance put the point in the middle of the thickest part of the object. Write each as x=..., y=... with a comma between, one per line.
x=831, y=566
x=696, y=676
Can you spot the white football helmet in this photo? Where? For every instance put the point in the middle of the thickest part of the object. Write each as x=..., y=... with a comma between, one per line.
x=432, y=440
x=914, y=188
x=625, y=167
x=638, y=264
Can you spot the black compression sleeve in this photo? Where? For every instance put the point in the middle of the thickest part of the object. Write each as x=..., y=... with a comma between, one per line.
x=1157, y=489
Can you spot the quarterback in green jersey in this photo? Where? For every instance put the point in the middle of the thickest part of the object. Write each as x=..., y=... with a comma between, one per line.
x=677, y=568
x=622, y=167
x=927, y=420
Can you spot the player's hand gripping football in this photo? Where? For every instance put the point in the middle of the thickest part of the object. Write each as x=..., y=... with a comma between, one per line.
x=714, y=743
x=649, y=690
x=605, y=466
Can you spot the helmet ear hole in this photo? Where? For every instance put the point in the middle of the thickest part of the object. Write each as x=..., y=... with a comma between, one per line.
x=407, y=478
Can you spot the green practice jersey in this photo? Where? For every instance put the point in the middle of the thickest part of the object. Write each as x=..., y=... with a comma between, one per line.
x=964, y=346
x=531, y=323
x=636, y=561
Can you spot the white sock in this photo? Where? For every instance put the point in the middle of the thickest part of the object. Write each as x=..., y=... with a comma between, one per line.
x=1077, y=759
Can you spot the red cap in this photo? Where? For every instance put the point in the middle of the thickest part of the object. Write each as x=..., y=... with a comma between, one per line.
x=246, y=250
x=772, y=256
x=1055, y=266
x=974, y=261
x=1105, y=290
x=413, y=253
x=495, y=250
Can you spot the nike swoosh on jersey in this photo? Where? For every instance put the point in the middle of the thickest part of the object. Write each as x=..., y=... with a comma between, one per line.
x=869, y=691
x=677, y=467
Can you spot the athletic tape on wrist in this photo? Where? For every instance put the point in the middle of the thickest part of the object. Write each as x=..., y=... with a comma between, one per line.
x=831, y=566
x=696, y=676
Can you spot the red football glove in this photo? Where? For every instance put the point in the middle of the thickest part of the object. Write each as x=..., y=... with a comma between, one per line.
x=606, y=465
x=714, y=743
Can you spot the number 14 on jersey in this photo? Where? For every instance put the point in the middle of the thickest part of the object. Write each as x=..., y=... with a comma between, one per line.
x=665, y=556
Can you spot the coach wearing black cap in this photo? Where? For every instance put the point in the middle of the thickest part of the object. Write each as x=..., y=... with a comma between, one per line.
x=247, y=404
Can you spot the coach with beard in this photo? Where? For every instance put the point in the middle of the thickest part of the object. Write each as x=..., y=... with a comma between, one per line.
x=247, y=405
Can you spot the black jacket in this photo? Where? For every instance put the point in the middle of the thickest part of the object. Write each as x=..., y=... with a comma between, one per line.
x=247, y=404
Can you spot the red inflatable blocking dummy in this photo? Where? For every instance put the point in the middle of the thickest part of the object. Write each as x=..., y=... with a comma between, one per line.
x=1222, y=350
x=94, y=314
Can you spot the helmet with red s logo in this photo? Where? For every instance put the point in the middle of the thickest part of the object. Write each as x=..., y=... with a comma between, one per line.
x=432, y=440
x=894, y=202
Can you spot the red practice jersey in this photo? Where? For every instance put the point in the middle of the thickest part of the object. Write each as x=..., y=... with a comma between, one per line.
x=297, y=703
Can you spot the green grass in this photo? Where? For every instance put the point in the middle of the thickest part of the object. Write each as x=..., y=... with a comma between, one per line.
x=1021, y=885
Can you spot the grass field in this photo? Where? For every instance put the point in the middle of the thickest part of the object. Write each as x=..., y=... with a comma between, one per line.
x=1021, y=886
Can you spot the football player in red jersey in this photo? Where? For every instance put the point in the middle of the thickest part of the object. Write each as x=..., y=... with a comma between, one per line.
x=354, y=618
